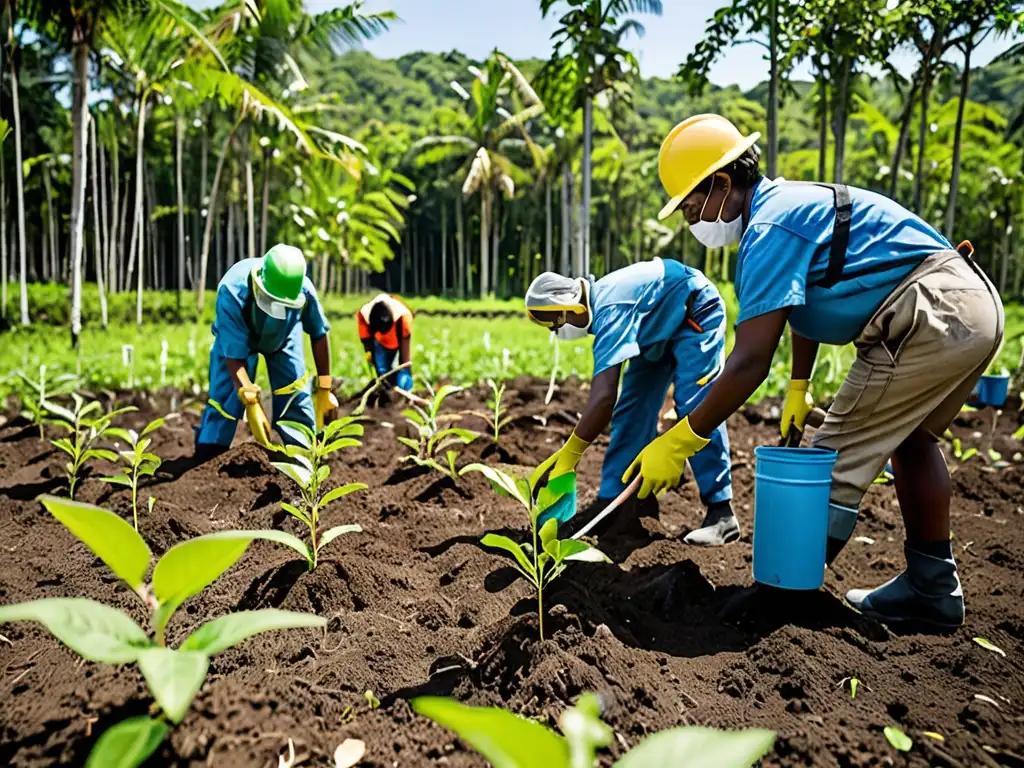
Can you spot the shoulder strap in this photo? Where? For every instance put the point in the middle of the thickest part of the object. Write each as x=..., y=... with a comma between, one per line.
x=840, y=231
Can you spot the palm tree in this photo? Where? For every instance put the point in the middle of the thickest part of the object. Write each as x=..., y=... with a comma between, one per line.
x=482, y=146
x=19, y=175
x=597, y=62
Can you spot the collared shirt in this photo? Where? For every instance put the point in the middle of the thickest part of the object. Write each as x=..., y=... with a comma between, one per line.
x=242, y=328
x=785, y=250
x=638, y=309
x=400, y=313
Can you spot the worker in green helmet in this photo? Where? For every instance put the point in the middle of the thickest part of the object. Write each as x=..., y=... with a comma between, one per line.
x=264, y=306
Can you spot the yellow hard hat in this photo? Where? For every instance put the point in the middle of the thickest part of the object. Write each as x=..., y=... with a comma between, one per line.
x=695, y=149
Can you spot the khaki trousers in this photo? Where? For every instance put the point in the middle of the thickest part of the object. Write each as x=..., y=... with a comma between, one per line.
x=918, y=359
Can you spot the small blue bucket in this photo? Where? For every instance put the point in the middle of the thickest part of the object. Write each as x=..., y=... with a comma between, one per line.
x=992, y=390
x=791, y=491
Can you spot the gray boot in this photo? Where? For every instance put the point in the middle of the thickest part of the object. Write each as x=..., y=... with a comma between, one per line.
x=720, y=526
x=928, y=592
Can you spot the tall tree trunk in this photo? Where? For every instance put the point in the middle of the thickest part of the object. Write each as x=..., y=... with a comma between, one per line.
x=497, y=209
x=417, y=257
x=265, y=199
x=574, y=229
x=204, y=162
x=565, y=233
x=232, y=253
x=138, y=233
x=547, y=223
x=97, y=233
x=1005, y=243
x=3, y=234
x=485, y=230
x=839, y=113
x=119, y=252
x=444, y=248
x=179, y=141
x=922, y=141
x=50, y=270
x=250, y=198
x=901, y=142
x=325, y=261
x=79, y=165
x=102, y=238
x=773, y=90
x=588, y=140
x=221, y=257
x=460, y=226
x=403, y=258
x=211, y=213
x=822, y=124
x=19, y=181
x=954, y=179
x=115, y=236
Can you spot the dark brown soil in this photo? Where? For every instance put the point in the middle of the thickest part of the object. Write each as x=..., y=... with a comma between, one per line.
x=417, y=606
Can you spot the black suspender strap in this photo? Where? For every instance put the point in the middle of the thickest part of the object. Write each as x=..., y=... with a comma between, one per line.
x=840, y=234
x=690, y=320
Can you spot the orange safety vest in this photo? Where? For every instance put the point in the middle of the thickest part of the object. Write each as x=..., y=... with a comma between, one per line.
x=401, y=314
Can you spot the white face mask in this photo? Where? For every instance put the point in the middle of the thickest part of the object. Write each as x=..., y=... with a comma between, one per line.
x=717, y=233
x=269, y=306
x=570, y=332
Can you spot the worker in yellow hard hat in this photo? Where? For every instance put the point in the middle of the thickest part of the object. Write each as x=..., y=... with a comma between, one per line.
x=840, y=265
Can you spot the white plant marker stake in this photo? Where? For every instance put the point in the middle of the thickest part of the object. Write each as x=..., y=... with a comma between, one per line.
x=128, y=361
x=163, y=362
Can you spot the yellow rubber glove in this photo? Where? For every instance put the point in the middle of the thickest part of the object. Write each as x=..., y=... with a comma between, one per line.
x=370, y=365
x=325, y=404
x=798, y=405
x=259, y=424
x=562, y=461
x=662, y=462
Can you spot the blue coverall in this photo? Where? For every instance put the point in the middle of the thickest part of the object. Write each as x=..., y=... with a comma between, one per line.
x=243, y=332
x=640, y=315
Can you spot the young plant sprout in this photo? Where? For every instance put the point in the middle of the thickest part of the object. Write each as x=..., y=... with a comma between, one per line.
x=34, y=402
x=497, y=417
x=100, y=633
x=433, y=434
x=309, y=471
x=85, y=431
x=511, y=741
x=138, y=461
x=544, y=560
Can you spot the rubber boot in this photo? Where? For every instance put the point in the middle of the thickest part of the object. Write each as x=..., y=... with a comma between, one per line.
x=720, y=527
x=928, y=593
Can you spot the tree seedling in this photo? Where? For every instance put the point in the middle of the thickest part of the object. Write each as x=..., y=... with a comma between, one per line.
x=34, y=403
x=510, y=741
x=100, y=633
x=309, y=470
x=546, y=557
x=897, y=739
x=496, y=418
x=433, y=434
x=86, y=430
x=138, y=461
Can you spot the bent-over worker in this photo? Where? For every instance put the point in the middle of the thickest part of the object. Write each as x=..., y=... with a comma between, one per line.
x=385, y=328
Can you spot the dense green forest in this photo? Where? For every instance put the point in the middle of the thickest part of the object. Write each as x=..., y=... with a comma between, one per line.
x=158, y=144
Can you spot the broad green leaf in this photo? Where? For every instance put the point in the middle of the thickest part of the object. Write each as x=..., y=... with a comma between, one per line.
x=65, y=445
x=341, y=442
x=59, y=411
x=127, y=744
x=344, y=490
x=417, y=417
x=153, y=426
x=341, y=428
x=504, y=484
x=409, y=443
x=120, y=434
x=282, y=537
x=988, y=645
x=442, y=394
x=549, y=534
x=121, y=411
x=112, y=540
x=100, y=453
x=504, y=542
x=584, y=730
x=228, y=631
x=117, y=480
x=571, y=549
x=94, y=631
x=452, y=434
x=297, y=473
x=699, y=747
x=300, y=432
x=294, y=511
x=339, y=530
x=174, y=678
x=152, y=458
x=89, y=408
x=505, y=740
x=854, y=682
x=898, y=739
x=186, y=569
x=1019, y=434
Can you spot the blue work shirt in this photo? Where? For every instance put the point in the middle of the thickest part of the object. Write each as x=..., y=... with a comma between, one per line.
x=638, y=309
x=785, y=250
x=242, y=328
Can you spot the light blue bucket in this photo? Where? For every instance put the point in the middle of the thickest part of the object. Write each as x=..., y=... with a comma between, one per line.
x=791, y=491
x=992, y=390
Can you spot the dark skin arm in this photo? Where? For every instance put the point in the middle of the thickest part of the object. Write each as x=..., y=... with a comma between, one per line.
x=746, y=368
x=234, y=366
x=804, y=353
x=404, y=345
x=322, y=355
x=600, y=405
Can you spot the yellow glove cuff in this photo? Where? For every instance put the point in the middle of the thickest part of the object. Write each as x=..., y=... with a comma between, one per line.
x=799, y=385
x=249, y=394
x=575, y=445
x=687, y=437
x=325, y=382
x=368, y=355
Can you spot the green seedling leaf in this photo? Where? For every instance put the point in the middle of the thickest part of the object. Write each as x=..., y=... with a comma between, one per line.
x=321, y=474
x=153, y=426
x=898, y=739
x=150, y=504
x=337, y=445
x=117, y=480
x=409, y=443
x=282, y=537
x=580, y=551
x=100, y=453
x=970, y=453
x=549, y=535
x=294, y=511
x=59, y=411
x=503, y=484
x=339, y=428
x=504, y=542
x=128, y=744
x=988, y=645
x=298, y=473
x=555, y=489
x=302, y=434
x=505, y=740
x=189, y=567
x=854, y=682
x=228, y=631
x=174, y=678
x=111, y=539
x=372, y=700
x=933, y=735
x=584, y=730
x=995, y=455
x=92, y=630
x=65, y=445
x=415, y=416
x=339, y=530
x=1019, y=434
x=452, y=434
x=699, y=747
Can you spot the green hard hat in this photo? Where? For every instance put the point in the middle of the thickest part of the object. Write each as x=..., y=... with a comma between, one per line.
x=281, y=274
